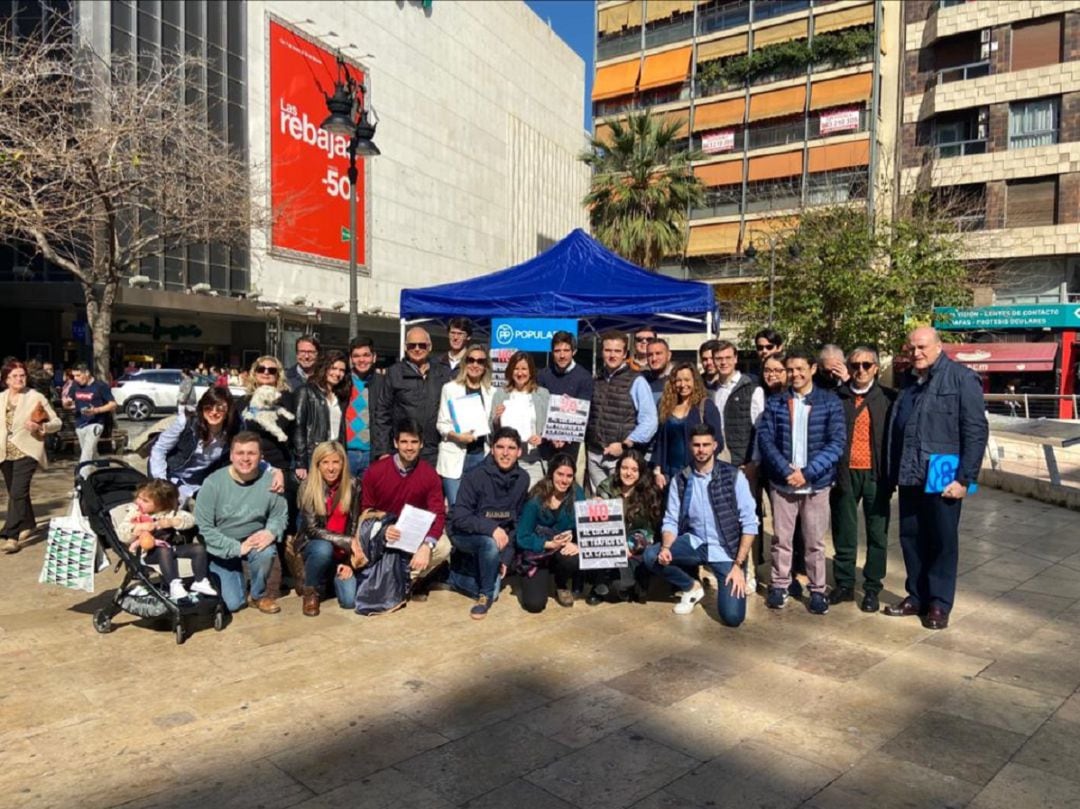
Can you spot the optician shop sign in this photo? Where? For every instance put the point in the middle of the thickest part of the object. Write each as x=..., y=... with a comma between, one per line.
x=1033, y=316
x=309, y=183
x=528, y=333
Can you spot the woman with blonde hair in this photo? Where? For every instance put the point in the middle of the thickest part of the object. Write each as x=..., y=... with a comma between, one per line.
x=460, y=451
x=684, y=403
x=28, y=417
x=523, y=405
x=329, y=505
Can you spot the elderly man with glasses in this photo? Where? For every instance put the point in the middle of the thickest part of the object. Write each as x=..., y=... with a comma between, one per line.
x=862, y=475
x=411, y=391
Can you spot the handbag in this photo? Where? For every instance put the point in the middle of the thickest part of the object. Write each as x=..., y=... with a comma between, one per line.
x=383, y=585
x=72, y=553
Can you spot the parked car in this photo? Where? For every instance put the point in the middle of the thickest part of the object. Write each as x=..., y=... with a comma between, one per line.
x=141, y=394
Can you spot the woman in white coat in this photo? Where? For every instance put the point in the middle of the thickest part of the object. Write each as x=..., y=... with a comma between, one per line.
x=461, y=449
x=523, y=405
x=28, y=418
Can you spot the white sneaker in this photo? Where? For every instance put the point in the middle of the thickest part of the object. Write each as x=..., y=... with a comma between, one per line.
x=203, y=587
x=688, y=600
x=176, y=590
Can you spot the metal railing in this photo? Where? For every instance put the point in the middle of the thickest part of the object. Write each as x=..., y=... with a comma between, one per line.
x=1045, y=137
x=665, y=32
x=762, y=137
x=970, y=222
x=767, y=9
x=718, y=18
x=960, y=148
x=1031, y=405
x=972, y=70
x=608, y=47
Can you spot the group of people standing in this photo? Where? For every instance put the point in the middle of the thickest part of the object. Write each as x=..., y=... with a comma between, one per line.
x=693, y=453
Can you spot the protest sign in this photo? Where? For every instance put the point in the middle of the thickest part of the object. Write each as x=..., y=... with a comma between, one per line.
x=601, y=534
x=567, y=418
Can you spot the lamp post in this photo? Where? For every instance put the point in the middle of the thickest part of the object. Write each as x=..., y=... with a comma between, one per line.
x=349, y=117
x=751, y=253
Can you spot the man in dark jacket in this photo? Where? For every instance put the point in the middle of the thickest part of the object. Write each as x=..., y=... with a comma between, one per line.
x=459, y=334
x=307, y=354
x=564, y=377
x=862, y=475
x=483, y=521
x=938, y=430
x=801, y=437
x=411, y=391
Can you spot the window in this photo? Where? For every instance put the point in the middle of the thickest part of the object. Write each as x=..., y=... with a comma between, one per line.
x=1030, y=203
x=1033, y=123
x=1037, y=43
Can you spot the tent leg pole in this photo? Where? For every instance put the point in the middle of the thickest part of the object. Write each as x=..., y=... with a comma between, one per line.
x=708, y=326
x=401, y=339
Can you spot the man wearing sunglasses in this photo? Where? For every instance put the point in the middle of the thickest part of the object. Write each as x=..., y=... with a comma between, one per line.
x=411, y=391
x=639, y=361
x=862, y=475
x=768, y=342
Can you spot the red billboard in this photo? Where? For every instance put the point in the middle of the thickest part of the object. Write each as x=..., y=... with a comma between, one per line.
x=309, y=183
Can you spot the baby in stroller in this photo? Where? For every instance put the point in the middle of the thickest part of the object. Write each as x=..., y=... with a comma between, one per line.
x=155, y=525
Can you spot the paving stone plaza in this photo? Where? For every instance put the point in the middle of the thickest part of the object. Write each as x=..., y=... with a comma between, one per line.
x=610, y=706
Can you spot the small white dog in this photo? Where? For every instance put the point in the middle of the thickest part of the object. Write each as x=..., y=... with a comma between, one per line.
x=263, y=410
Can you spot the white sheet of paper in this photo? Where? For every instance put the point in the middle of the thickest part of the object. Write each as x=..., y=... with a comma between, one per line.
x=469, y=415
x=519, y=414
x=414, y=524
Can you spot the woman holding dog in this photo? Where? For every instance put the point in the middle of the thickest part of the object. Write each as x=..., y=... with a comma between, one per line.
x=28, y=417
x=266, y=371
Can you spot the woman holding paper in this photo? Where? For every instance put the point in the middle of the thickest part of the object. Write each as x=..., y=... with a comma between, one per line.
x=463, y=422
x=329, y=504
x=546, y=538
x=641, y=510
x=523, y=405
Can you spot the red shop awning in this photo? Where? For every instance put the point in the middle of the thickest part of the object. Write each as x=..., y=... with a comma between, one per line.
x=993, y=358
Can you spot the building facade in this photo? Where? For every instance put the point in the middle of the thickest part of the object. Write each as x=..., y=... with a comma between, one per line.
x=479, y=127
x=991, y=125
x=794, y=103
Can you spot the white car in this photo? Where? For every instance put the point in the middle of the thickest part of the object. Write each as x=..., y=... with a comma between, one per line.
x=141, y=394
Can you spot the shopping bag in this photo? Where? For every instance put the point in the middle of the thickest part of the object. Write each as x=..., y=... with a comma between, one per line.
x=72, y=554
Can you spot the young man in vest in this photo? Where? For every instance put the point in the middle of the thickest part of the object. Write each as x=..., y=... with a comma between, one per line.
x=564, y=377
x=801, y=437
x=623, y=414
x=862, y=475
x=711, y=519
x=740, y=400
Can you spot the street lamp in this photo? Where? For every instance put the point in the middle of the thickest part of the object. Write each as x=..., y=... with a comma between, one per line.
x=751, y=253
x=349, y=117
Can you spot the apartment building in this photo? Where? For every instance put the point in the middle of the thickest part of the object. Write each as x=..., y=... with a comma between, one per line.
x=991, y=119
x=793, y=102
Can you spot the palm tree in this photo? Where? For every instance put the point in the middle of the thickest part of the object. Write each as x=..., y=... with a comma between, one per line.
x=642, y=187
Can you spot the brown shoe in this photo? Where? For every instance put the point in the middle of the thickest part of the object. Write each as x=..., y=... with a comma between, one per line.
x=311, y=601
x=564, y=598
x=8, y=545
x=937, y=618
x=265, y=605
x=904, y=609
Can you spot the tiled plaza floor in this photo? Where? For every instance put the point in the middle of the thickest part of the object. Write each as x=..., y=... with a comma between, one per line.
x=612, y=706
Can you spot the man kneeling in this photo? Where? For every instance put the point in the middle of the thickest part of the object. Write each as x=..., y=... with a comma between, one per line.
x=711, y=519
x=241, y=520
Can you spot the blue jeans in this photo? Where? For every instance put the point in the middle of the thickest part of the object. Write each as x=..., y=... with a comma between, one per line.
x=487, y=558
x=359, y=460
x=450, y=486
x=683, y=557
x=230, y=575
x=318, y=562
x=345, y=590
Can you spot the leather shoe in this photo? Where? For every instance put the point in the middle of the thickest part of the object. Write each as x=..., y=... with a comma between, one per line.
x=870, y=603
x=311, y=602
x=265, y=605
x=841, y=594
x=937, y=618
x=903, y=609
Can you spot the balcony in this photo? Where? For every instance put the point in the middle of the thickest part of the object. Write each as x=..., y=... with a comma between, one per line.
x=960, y=148
x=1046, y=137
x=667, y=31
x=790, y=131
x=719, y=202
x=767, y=9
x=721, y=17
x=972, y=70
x=608, y=47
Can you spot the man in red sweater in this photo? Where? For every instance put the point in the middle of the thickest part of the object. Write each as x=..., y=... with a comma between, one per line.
x=401, y=479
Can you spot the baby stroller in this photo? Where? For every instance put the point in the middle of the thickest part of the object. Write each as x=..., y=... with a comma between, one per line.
x=103, y=495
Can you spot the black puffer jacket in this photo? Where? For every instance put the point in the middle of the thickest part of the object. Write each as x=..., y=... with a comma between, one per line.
x=312, y=424
x=406, y=393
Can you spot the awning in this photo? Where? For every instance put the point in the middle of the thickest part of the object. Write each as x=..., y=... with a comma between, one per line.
x=603, y=133
x=777, y=103
x=719, y=114
x=612, y=19
x=616, y=80
x=779, y=33
x=994, y=358
x=727, y=173
x=845, y=90
x=845, y=18
x=708, y=240
x=659, y=9
x=718, y=48
x=662, y=69
x=769, y=167
x=839, y=156
x=680, y=116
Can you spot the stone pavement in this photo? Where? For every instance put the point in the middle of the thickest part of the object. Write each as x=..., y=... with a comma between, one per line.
x=612, y=706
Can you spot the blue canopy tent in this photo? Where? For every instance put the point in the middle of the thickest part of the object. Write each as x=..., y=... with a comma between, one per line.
x=578, y=278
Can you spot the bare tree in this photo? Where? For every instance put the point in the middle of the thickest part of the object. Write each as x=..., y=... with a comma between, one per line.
x=103, y=164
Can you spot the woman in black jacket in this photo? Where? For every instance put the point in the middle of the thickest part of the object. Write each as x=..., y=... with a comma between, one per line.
x=320, y=409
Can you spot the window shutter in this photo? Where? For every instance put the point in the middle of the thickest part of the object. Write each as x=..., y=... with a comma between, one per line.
x=1035, y=44
x=1029, y=204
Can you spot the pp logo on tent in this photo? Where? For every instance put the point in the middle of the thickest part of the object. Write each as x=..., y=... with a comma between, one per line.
x=504, y=334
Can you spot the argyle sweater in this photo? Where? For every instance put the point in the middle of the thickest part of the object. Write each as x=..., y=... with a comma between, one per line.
x=358, y=417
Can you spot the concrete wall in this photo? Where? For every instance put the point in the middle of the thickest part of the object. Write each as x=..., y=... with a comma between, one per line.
x=480, y=108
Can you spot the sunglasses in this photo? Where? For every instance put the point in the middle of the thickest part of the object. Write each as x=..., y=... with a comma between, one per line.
x=476, y=361
x=765, y=346
x=266, y=369
x=642, y=339
x=414, y=346
x=218, y=408
x=861, y=366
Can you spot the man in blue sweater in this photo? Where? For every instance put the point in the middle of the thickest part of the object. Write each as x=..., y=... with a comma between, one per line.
x=483, y=521
x=564, y=377
x=801, y=436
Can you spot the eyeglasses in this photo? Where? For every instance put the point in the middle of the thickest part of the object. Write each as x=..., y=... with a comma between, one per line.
x=765, y=346
x=774, y=371
x=414, y=346
x=861, y=366
x=266, y=369
x=216, y=408
x=476, y=360
x=642, y=339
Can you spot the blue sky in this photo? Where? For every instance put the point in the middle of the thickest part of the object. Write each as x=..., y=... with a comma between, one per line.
x=575, y=22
